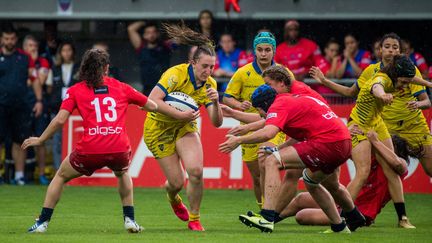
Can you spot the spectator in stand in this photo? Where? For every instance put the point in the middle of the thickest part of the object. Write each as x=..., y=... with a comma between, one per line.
x=331, y=57
x=113, y=71
x=354, y=60
x=64, y=75
x=332, y=60
x=296, y=53
x=42, y=67
x=48, y=46
x=153, y=54
x=376, y=57
x=16, y=67
x=416, y=58
x=228, y=59
x=206, y=24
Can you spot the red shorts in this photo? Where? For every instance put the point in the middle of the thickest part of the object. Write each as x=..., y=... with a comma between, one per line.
x=325, y=157
x=374, y=194
x=87, y=163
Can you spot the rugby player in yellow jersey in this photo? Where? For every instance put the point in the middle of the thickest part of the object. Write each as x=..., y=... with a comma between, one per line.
x=409, y=124
x=238, y=96
x=373, y=96
x=172, y=135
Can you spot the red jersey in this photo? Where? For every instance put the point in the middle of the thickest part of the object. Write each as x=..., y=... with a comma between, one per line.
x=306, y=118
x=103, y=111
x=300, y=88
x=419, y=61
x=300, y=57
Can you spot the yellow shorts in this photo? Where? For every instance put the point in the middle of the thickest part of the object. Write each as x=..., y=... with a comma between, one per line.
x=415, y=131
x=160, y=137
x=250, y=151
x=380, y=128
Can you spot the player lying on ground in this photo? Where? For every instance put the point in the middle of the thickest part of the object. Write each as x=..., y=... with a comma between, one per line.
x=325, y=145
x=102, y=103
x=373, y=196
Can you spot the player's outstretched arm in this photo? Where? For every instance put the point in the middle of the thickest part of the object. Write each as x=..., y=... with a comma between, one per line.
x=56, y=123
x=240, y=115
x=396, y=163
x=316, y=74
x=260, y=136
x=150, y=105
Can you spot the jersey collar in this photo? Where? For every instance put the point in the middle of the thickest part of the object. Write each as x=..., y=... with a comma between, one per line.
x=257, y=68
x=192, y=77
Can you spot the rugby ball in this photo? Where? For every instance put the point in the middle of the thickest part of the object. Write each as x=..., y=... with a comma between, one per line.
x=181, y=101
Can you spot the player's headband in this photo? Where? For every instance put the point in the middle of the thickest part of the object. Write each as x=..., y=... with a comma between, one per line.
x=265, y=38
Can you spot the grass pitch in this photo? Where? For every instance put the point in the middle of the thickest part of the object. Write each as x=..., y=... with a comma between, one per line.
x=94, y=214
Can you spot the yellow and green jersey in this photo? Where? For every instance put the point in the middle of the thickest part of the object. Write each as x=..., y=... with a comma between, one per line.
x=367, y=110
x=398, y=109
x=181, y=78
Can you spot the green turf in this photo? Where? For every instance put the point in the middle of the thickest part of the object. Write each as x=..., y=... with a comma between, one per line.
x=94, y=215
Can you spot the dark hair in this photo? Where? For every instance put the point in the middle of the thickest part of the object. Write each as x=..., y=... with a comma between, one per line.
x=331, y=41
x=404, y=150
x=353, y=36
x=150, y=24
x=278, y=74
x=92, y=67
x=59, y=59
x=205, y=11
x=8, y=29
x=182, y=34
x=391, y=36
x=401, y=66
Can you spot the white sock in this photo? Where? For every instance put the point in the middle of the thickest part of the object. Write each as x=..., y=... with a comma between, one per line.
x=19, y=175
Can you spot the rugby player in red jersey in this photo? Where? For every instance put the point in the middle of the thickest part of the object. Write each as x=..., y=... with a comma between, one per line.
x=102, y=103
x=374, y=194
x=324, y=144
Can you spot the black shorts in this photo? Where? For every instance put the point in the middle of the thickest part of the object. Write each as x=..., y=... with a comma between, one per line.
x=16, y=122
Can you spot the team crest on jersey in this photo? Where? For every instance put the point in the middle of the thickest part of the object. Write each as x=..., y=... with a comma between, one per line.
x=248, y=73
x=171, y=81
x=161, y=147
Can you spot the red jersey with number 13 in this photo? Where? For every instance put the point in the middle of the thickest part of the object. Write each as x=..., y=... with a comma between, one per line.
x=103, y=110
x=306, y=118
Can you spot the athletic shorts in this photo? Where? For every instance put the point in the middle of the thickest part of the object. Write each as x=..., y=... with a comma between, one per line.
x=15, y=122
x=374, y=194
x=161, y=137
x=380, y=128
x=250, y=151
x=415, y=131
x=87, y=164
x=325, y=157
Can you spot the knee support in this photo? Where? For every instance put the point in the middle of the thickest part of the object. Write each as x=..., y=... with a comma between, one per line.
x=308, y=180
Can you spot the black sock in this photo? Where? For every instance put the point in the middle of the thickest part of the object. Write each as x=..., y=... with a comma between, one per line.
x=338, y=227
x=46, y=214
x=128, y=211
x=353, y=214
x=269, y=215
x=277, y=218
x=400, y=209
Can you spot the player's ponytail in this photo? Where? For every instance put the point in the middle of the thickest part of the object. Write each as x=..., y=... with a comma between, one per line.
x=404, y=150
x=182, y=34
x=93, y=67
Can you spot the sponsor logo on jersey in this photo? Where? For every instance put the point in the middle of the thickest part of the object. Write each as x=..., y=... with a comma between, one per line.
x=271, y=115
x=104, y=130
x=101, y=90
